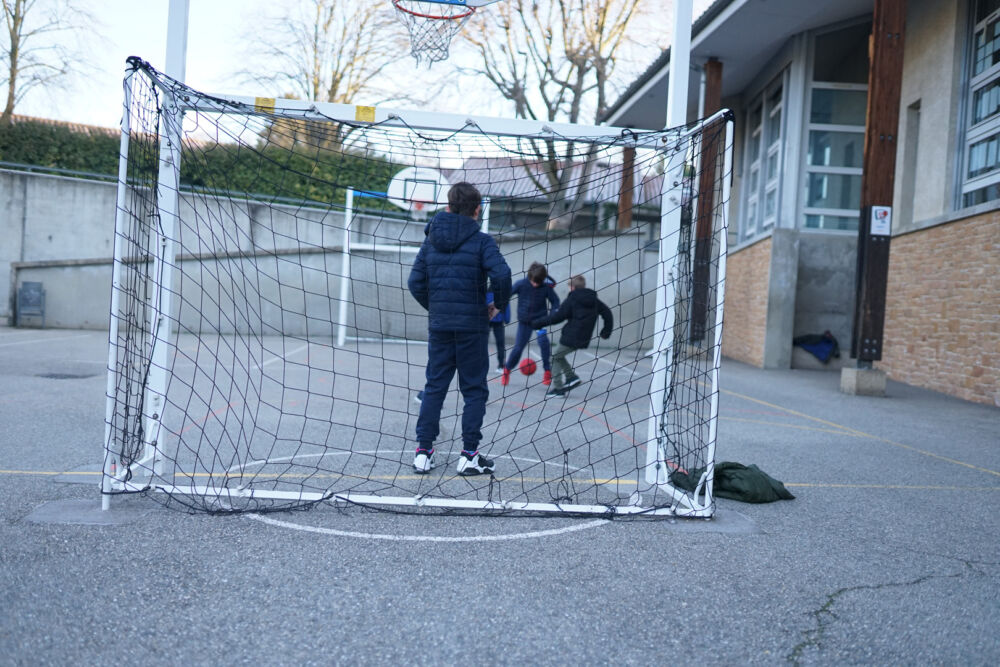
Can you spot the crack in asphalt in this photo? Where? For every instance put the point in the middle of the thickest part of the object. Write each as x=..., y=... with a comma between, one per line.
x=824, y=616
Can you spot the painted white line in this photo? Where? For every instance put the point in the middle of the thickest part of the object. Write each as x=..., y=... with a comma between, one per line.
x=43, y=340
x=428, y=538
x=613, y=363
x=279, y=357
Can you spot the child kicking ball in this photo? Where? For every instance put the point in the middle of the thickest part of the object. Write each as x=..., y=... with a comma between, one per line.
x=579, y=311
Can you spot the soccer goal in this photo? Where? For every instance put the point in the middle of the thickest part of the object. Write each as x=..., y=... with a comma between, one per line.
x=264, y=353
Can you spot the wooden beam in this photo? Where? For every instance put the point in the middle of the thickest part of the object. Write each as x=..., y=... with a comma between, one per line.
x=712, y=138
x=885, y=77
x=625, y=195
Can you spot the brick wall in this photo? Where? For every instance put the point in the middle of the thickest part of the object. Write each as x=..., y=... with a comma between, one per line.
x=942, y=318
x=745, y=323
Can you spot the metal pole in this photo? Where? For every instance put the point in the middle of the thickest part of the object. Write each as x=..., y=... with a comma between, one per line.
x=680, y=62
x=345, y=268
x=720, y=300
x=486, y=215
x=670, y=224
x=177, y=31
x=120, y=216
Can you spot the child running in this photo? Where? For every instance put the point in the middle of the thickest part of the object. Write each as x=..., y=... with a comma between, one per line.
x=579, y=311
x=532, y=294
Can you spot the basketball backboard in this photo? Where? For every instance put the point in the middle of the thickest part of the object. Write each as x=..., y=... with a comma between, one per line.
x=419, y=189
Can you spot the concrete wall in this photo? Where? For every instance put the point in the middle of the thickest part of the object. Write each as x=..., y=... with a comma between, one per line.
x=52, y=217
x=931, y=93
x=942, y=322
x=824, y=293
x=298, y=294
x=59, y=231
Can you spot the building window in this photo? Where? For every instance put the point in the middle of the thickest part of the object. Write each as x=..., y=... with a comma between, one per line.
x=764, y=142
x=836, y=107
x=981, y=163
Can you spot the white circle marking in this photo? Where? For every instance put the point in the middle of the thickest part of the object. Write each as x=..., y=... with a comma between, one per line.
x=427, y=538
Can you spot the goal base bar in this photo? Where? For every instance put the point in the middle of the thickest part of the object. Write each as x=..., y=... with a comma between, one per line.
x=239, y=495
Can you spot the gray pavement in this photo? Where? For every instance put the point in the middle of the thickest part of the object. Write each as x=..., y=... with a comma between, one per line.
x=889, y=554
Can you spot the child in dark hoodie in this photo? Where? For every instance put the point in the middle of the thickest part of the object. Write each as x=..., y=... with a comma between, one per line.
x=579, y=311
x=453, y=271
x=533, y=294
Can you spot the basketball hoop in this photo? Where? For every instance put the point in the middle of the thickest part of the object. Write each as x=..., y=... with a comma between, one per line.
x=433, y=23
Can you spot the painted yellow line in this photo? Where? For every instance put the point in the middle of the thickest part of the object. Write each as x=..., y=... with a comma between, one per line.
x=262, y=476
x=852, y=431
x=793, y=426
x=915, y=487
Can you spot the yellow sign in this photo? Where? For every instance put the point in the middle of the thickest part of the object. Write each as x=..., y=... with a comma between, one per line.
x=264, y=104
x=364, y=114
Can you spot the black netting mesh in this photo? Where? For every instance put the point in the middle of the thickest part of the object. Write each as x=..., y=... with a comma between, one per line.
x=269, y=358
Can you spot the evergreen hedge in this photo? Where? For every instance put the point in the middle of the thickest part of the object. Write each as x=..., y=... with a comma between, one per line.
x=268, y=170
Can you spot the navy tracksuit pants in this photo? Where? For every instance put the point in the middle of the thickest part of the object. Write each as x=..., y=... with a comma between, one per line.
x=524, y=332
x=468, y=354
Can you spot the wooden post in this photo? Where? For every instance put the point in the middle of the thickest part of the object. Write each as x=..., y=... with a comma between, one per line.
x=712, y=138
x=625, y=195
x=885, y=76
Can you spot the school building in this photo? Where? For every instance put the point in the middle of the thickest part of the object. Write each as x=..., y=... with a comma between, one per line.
x=796, y=75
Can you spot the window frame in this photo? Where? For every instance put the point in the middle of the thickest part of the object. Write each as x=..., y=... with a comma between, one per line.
x=755, y=220
x=808, y=170
x=977, y=132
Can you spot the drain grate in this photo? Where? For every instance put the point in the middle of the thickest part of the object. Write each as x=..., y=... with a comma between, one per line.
x=66, y=376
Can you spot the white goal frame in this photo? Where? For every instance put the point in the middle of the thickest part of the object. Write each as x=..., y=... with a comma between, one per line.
x=163, y=252
x=348, y=248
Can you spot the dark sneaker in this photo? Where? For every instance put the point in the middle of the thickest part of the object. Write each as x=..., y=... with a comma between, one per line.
x=423, y=461
x=555, y=391
x=474, y=465
x=419, y=398
x=572, y=382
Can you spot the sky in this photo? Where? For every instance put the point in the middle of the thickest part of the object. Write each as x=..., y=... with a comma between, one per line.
x=217, y=49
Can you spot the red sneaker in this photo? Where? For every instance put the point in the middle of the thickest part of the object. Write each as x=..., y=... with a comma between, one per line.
x=505, y=378
x=547, y=378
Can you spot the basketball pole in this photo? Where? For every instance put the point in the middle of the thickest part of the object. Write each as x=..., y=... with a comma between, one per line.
x=670, y=224
x=164, y=253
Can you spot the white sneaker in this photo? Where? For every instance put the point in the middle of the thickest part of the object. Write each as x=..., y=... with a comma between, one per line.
x=498, y=370
x=477, y=465
x=423, y=461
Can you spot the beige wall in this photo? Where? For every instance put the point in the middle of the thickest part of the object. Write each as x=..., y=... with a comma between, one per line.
x=942, y=320
x=745, y=325
x=934, y=48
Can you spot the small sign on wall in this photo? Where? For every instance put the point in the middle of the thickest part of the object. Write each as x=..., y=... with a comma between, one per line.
x=881, y=223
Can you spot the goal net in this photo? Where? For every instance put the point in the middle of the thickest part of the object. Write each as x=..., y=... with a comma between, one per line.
x=265, y=353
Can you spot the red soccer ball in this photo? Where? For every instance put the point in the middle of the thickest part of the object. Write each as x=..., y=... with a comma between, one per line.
x=528, y=366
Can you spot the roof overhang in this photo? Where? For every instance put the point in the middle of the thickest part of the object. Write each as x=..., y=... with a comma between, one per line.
x=744, y=35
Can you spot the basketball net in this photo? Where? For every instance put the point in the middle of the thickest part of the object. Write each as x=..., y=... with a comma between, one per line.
x=432, y=26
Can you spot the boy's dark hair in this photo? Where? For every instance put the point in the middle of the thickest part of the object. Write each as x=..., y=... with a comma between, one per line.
x=464, y=198
x=578, y=282
x=537, y=272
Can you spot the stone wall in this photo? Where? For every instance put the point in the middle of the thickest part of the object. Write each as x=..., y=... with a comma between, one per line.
x=942, y=319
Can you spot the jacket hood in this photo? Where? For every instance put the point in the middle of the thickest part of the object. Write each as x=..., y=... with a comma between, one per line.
x=448, y=231
x=585, y=296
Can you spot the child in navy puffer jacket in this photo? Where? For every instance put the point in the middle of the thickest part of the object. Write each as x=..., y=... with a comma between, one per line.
x=455, y=268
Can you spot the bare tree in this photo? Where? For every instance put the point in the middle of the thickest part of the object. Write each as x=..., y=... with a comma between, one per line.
x=327, y=50
x=554, y=59
x=40, y=46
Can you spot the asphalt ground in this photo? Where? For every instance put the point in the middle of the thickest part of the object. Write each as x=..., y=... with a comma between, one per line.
x=889, y=553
